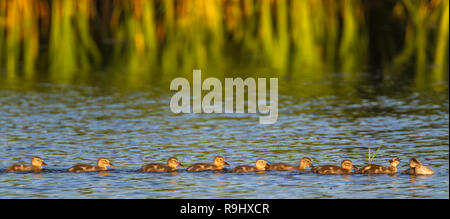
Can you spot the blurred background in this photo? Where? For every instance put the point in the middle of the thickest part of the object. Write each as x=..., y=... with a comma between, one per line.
x=134, y=42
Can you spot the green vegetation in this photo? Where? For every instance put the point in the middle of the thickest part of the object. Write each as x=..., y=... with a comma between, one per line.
x=369, y=155
x=68, y=40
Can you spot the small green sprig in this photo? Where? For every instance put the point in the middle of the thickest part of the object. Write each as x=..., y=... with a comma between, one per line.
x=369, y=155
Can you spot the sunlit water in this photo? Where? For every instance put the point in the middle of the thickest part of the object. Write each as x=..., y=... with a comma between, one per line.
x=66, y=125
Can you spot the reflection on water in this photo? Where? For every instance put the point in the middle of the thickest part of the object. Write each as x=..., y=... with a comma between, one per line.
x=103, y=173
x=328, y=123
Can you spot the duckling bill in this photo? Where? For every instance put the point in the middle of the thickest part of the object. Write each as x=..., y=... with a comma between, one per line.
x=172, y=164
x=36, y=166
x=218, y=164
x=102, y=164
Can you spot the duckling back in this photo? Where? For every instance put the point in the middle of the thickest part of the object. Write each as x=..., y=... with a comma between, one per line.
x=201, y=167
x=155, y=167
x=345, y=168
x=83, y=168
x=330, y=169
x=423, y=170
x=375, y=169
x=22, y=168
x=218, y=164
x=282, y=167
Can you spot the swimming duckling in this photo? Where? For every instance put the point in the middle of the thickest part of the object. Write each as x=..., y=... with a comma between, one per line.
x=36, y=166
x=172, y=165
x=378, y=169
x=102, y=163
x=304, y=162
x=219, y=163
x=345, y=168
x=260, y=165
x=417, y=168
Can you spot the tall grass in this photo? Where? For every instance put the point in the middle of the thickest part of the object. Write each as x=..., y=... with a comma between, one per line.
x=69, y=39
x=370, y=157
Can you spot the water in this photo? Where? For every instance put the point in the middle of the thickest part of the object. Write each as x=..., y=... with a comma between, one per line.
x=73, y=124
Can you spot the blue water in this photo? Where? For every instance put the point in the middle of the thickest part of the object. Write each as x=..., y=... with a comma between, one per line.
x=73, y=124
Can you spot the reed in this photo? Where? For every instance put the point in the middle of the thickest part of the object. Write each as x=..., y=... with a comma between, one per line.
x=370, y=156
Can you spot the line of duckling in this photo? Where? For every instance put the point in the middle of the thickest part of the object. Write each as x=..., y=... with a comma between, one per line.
x=219, y=163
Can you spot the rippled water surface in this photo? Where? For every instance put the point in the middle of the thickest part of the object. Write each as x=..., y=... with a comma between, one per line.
x=66, y=125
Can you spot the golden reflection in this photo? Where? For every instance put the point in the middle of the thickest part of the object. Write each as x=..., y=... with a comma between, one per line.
x=37, y=174
x=173, y=173
x=261, y=175
x=416, y=177
x=218, y=172
x=135, y=37
x=103, y=173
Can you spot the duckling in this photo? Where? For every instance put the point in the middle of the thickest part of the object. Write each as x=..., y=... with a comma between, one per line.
x=102, y=163
x=345, y=168
x=36, y=166
x=219, y=163
x=260, y=165
x=304, y=162
x=417, y=168
x=172, y=165
x=378, y=169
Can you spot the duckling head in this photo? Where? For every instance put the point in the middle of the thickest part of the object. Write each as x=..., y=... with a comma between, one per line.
x=414, y=162
x=103, y=163
x=394, y=161
x=220, y=161
x=173, y=162
x=347, y=164
x=306, y=162
x=37, y=162
x=261, y=164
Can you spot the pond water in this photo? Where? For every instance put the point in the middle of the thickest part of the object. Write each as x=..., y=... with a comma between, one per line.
x=69, y=124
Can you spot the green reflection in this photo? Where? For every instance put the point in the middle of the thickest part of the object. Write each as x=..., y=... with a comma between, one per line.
x=129, y=43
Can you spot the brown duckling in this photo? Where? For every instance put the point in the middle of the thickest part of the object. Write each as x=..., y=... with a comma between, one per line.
x=172, y=165
x=304, y=162
x=219, y=164
x=260, y=165
x=36, y=166
x=417, y=168
x=378, y=169
x=345, y=168
x=102, y=163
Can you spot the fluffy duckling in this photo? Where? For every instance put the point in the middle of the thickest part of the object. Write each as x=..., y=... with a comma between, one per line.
x=219, y=164
x=417, y=168
x=36, y=166
x=102, y=163
x=172, y=165
x=260, y=165
x=345, y=168
x=378, y=169
x=304, y=162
